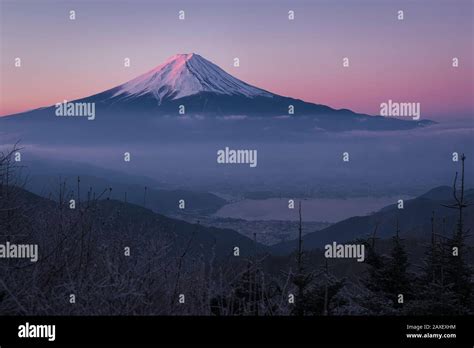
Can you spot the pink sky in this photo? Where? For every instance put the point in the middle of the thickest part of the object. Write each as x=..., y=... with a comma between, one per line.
x=406, y=60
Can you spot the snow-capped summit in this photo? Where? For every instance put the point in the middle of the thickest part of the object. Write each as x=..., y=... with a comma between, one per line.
x=184, y=75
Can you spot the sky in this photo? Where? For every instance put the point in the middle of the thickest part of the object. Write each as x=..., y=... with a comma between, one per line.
x=406, y=61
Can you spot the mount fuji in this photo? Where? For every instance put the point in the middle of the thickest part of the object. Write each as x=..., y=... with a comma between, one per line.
x=184, y=75
x=204, y=91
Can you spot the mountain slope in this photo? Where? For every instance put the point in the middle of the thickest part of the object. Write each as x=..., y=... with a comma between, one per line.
x=158, y=200
x=111, y=221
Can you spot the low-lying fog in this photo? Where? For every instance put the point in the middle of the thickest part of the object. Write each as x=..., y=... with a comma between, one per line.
x=381, y=164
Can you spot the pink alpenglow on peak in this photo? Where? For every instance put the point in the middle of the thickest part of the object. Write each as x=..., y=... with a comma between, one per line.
x=183, y=75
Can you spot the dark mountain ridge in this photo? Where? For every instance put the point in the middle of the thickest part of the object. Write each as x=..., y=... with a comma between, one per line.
x=414, y=221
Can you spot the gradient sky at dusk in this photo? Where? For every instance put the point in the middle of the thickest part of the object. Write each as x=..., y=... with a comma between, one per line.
x=406, y=60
